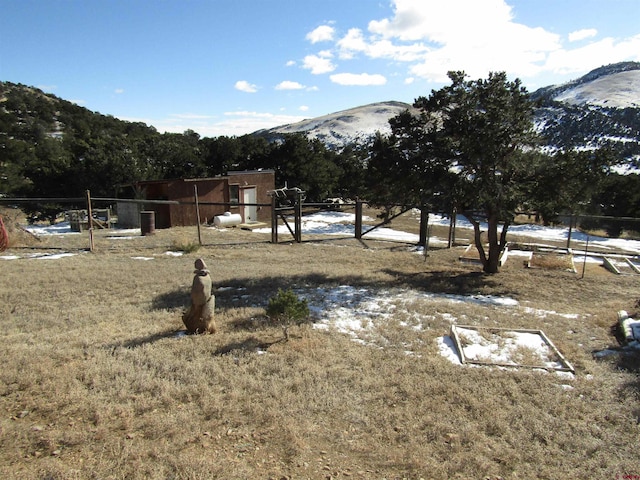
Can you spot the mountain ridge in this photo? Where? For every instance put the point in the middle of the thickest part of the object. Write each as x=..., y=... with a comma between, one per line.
x=598, y=109
x=345, y=126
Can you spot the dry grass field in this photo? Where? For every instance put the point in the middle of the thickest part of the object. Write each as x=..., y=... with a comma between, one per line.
x=98, y=383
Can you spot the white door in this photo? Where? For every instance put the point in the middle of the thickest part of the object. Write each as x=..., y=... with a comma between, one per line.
x=250, y=213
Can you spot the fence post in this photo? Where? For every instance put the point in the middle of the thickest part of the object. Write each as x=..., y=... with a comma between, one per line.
x=424, y=222
x=90, y=221
x=358, y=228
x=195, y=194
x=274, y=221
x=298, y=218
x=452, y=228
x=570, y=228
x=586, y=252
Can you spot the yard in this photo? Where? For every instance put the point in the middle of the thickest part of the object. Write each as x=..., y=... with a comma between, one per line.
x=99, y=381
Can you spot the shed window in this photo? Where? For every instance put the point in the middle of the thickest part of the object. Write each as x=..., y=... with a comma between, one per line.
x=234, y=194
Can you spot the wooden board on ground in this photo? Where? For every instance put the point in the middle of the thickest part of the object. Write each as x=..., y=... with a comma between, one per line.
x=252, y=225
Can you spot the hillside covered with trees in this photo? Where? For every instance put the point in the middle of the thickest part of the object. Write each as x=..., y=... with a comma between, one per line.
x=54, y=148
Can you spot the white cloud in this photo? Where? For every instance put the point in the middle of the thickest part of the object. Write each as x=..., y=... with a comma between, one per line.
x=191, y=116
x=582, y=34
x=362, y=79
x=289, y=85
x=245, y=86
x=439, y=21
x=290, y=63
x=323, y=33
x=232, y=124
x=598, y=53
x=243, y=122
x=118, y=91
x=409, y=80
x=303, y=108
x=432, y=37
x=319, y=64
x=354, y=42
x=477, y=36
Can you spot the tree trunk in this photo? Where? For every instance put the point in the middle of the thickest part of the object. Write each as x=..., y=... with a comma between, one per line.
x=477, y=235
x=490, y=258
x=492, y=265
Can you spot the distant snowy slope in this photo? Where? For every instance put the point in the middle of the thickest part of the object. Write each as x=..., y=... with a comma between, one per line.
x=618, y=90
x=347, y=126
x=598, y=110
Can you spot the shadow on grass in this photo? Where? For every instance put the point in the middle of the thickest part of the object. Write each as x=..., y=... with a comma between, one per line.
x=622, y=357
x=629, y=361
x=250, y=344
x=178, y=298
x=252, y=292
x=140, y=341
x=458, y=283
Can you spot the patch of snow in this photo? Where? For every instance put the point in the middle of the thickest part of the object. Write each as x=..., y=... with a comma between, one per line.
x=62, y=228
x=51, y=256
x=503, y=347
x=124, y=233
x=545, y=313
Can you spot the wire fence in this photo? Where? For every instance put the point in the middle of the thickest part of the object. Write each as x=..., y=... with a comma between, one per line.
x=290, y=216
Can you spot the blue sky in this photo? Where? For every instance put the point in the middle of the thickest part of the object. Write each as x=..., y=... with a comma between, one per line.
x=230, y=67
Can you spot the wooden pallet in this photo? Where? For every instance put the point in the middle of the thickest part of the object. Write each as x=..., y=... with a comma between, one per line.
x=623, y=266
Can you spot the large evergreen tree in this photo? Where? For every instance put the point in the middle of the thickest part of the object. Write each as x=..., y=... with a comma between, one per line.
x=481, y=131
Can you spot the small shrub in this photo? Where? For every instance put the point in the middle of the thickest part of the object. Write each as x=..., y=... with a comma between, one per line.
x=287, y=309
x=185, y=246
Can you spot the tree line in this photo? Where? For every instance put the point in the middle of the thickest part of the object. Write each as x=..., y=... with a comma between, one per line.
x=472, y=149
x=54, y=148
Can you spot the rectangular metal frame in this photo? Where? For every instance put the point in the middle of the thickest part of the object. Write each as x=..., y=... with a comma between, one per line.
x=566, y=366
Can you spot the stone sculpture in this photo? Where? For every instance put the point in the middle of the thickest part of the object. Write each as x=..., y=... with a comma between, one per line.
x=199, y=318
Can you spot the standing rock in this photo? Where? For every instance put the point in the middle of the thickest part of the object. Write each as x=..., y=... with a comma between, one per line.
x=199, y=318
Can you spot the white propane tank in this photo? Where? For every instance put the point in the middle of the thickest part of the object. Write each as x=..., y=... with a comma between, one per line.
x=228, y=219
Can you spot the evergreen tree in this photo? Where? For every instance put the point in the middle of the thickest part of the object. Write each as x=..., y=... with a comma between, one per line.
x=480, y=131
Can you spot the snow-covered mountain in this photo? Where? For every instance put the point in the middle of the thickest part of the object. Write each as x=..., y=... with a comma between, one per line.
x=618, y=90
x=611, y=86
x=347, y=126
x=601, y=108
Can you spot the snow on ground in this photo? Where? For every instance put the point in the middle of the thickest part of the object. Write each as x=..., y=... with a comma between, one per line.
x=507, y=347
x=341, y=223
x=362, y=313
x=39, y=256
x=62, y=228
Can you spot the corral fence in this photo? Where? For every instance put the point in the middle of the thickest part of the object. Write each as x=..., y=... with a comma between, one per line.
x=289, y=206
x=89, y=213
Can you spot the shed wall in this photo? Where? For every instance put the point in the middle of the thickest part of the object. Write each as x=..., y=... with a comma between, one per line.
x=213, y=197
